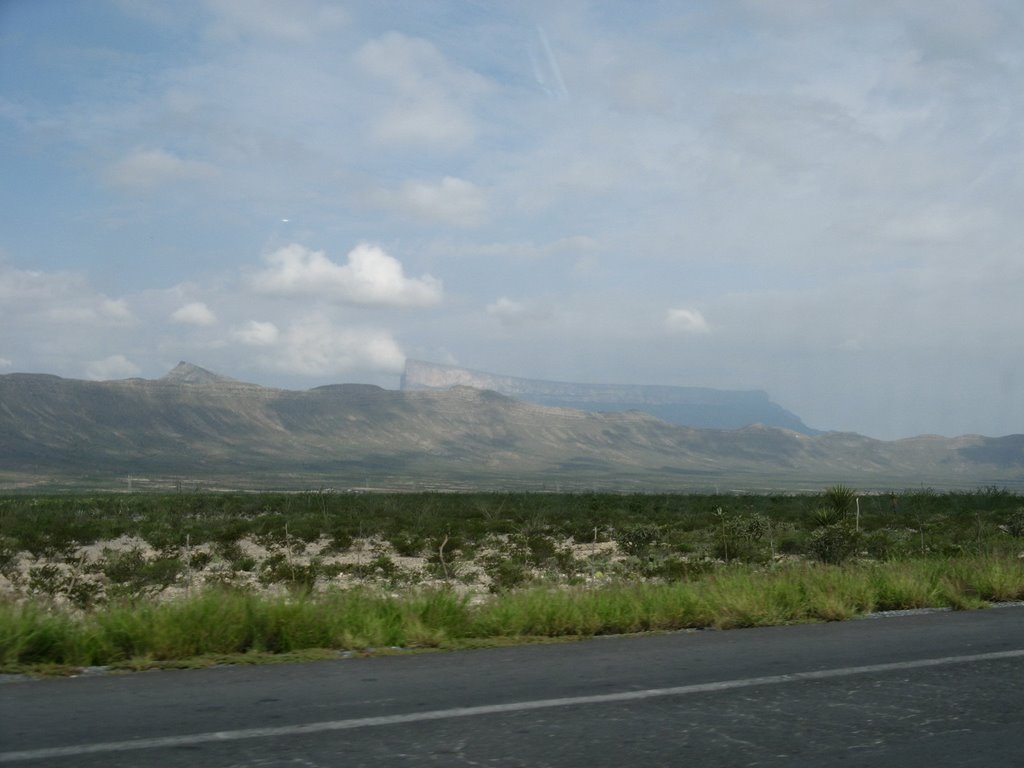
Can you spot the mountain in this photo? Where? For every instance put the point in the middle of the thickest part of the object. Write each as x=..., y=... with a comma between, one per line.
x=193, y=426
x=186, y=373
x=685, y=406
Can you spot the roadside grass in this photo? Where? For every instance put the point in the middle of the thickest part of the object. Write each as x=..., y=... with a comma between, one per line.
x=105, y=549
x=142, y=581
x=221, y=625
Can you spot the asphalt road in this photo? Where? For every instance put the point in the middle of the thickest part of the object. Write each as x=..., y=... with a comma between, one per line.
x=935, y=689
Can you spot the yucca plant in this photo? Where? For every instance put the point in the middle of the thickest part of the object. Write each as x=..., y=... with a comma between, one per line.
x=840, y=498
x=822, y=517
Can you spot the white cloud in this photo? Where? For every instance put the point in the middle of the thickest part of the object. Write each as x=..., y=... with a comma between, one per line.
x=506, y=309
x=297, y=21
x=370, y=276
x=634, y=85
x=937, y=224
x=115, y=309
x=686, y=321
x=451, y=201
x=113, y=367
x=315, y=346
x=31, y=286
x=145, y=168
x=196, y=313
x=568, y=250
x=257, y=334
x=57, y=297
x=428, y=94
x=510, y=312
x=5, y=363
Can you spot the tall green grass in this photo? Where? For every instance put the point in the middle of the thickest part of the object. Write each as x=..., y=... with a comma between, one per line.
x=231, y=622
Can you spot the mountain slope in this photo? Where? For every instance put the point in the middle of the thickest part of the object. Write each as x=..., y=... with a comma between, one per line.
x=196, y=425
x=686, y=406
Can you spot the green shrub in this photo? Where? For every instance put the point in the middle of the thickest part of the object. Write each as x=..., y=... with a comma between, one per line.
x=408, y=543
x=505, y=574
x=739, y=537
x=381, y=566
x=122, y=566
x=1015, y=523
x=823, y=517
x=638, y=539
x=840, y=498
x=833, y=543
x=228, y=550
x=243, y=563
x=280, y=569
x=83, y=593
x=887, y=543
x=162, y=571
x=45, y=579
x=680, y=569
x=540, y=548
x=8, y=553
x=756, y=527
x=198, y=560
x=445, y=564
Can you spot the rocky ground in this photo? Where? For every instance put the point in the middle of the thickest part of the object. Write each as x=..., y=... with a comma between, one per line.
x=130, y=567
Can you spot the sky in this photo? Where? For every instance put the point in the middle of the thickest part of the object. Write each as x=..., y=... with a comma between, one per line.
x=818, y=200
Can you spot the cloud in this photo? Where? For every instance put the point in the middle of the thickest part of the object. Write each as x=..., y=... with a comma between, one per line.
x=450, y=201
x=428, y=95
x=689, y=321
x=257, y=334
x=315, y=346
x=298, y=21
x=524, y=251
x=369, y=277
x=114, y=309
x=831, y=175
x=57, y=297
x=113, y=367
x=510, y=312
x=546, y=70
x=145, y=168
x=637, y=89
x=506, y=310
x=937, y=224
x=196, y=313
x=5, y=363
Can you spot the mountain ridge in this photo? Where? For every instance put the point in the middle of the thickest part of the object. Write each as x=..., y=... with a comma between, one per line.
x=187, y=373
x=213, y=429
x=686, y=406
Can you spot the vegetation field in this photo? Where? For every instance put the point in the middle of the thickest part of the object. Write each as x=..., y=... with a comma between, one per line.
x=138, y=580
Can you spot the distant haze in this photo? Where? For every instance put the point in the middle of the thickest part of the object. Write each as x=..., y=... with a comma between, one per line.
x=818, y=201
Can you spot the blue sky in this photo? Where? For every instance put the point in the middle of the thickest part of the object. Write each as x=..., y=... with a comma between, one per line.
x=820, y=200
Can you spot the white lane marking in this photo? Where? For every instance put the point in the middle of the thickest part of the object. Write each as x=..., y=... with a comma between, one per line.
x=193, y=739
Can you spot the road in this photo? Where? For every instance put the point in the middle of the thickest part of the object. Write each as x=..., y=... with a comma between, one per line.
x=930, y=689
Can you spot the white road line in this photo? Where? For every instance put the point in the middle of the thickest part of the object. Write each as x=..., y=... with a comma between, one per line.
x=487, y=709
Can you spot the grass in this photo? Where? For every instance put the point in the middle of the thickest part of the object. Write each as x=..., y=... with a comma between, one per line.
x=504, y=561
x=223, y=625
x=174, y=538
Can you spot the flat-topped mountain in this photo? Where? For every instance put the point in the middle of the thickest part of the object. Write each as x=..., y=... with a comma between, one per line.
x=687, y=406
x=196, y=426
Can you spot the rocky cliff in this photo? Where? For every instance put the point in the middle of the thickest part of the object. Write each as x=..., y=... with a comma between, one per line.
x=686, y=406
